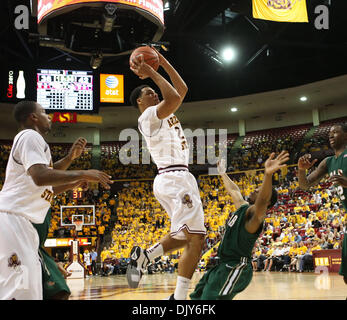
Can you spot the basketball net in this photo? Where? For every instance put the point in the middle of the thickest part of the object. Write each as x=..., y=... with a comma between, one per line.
x=78, y=227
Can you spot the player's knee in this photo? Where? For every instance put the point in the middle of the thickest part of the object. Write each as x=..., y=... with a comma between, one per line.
x=197, y=240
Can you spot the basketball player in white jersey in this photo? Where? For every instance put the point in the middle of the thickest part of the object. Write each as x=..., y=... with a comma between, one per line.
x=174, y=187
x=25, y=198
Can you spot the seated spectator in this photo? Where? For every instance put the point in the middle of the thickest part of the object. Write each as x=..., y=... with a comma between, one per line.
x=301, y=251
x=293, y=252
x=276, y=262
x=285, y=257
x=255, y=257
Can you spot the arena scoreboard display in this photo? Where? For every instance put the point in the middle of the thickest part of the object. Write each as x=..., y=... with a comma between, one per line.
x=65, y=89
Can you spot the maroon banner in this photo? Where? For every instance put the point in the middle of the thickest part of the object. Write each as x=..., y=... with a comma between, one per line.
x=327, y=258
x=66, y=117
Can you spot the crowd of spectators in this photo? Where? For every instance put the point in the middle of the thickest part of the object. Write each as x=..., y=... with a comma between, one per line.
x=113, y=163
x=300, y=223
x=253, y=155
x=257, y=146
x=104, y=209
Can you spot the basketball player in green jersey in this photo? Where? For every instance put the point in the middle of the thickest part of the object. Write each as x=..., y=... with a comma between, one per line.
x=243, y=227
x=53, y=276
x=336, y=167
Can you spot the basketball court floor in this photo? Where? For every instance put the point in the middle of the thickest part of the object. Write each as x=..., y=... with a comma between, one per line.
x=264, y=286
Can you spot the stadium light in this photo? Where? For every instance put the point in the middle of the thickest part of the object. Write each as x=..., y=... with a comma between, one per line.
x=167, y=6
x=228, y=54
x=233, y=109
x=303, y=98
x=96, y=60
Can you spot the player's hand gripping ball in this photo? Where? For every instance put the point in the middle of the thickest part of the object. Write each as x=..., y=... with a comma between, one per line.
x=149, y=56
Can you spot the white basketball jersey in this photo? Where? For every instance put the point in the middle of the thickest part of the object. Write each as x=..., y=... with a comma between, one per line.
x=20, y=195
x=165, y=138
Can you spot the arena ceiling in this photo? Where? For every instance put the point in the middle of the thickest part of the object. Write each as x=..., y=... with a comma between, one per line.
x=271, y=56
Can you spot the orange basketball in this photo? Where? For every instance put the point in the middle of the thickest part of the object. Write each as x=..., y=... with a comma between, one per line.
x=149, y=56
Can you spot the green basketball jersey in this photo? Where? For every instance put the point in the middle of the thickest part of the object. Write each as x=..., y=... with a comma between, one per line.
x=338, y=166
x=237, y=242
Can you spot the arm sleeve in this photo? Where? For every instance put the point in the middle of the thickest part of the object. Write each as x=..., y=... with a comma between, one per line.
x=149, y=123
x=31, y=150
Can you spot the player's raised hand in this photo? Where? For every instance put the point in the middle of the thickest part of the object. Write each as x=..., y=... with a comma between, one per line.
x=221, y=166
x=273, y=164
x=162, y=59
x=305, y=163
x=339, y=180
x=97, y=176
x=77, y=148
x=140, y=67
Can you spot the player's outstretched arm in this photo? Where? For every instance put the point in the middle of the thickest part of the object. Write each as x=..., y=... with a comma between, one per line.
x=44, y=176
x=171, y=99
x=71, y=186
x=314, y=177
x=272, y=165
x=74, y=153
x=175, y=77
x=230, y=186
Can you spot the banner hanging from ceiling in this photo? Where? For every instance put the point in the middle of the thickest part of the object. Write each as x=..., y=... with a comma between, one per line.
x=280, y=10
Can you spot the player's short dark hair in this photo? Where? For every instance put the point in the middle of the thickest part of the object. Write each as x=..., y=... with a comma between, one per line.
x=135, y=94
x=23, y=109
x=343, y=126
x=274, y=197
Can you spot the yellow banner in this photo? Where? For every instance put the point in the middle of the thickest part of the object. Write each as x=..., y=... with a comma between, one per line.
x=280, y=10
x=89, y=118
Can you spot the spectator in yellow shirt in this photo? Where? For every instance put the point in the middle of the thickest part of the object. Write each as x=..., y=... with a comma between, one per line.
x=101, y=231
x=307, y=256
x=293, y=253
x=310, y=233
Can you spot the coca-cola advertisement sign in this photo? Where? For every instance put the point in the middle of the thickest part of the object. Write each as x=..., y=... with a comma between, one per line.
x=15, y=85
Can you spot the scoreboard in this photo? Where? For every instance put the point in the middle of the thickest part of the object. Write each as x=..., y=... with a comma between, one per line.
x=65, y=89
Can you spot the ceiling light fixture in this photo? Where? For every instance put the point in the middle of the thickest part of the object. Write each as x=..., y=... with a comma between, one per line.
x=96, y=60
x=233, y=109
x=303, y=98
x=167, y=6
x=228, y=54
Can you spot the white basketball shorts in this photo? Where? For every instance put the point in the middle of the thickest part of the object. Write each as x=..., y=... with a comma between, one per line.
x=20, y=267
x=178, y=193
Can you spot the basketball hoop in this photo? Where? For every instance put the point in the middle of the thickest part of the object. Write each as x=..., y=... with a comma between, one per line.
x=78, y=225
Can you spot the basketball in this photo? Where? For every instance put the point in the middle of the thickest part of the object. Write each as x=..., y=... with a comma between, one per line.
x=149, y=55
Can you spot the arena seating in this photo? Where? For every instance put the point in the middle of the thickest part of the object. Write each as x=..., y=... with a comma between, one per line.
x=319, y=142
x=257, y=145
x=134, y=216
x=60, y=150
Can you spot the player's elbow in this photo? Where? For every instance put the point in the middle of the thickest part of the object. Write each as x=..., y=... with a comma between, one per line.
x=37, y=173
x=169, y=106
x=184, y=91
x=38, y=181
x=174, y=100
